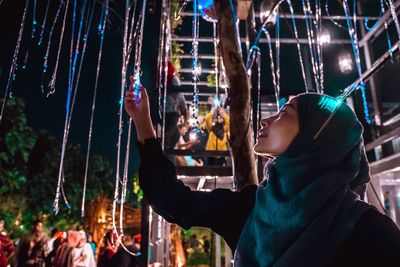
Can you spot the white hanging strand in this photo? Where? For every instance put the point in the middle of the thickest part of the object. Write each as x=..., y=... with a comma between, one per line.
x=56, y=206
x=274, y=78
x=278, y=54
x=123, y=84
x=46, y=57
x=102, y=27
x=394, y=16
x=14, y=60
x=52, y=84
x=303, y=72
x=125, y=61
x=195, y=74
x=216, y=56
x=44, y=23
x=308, y=13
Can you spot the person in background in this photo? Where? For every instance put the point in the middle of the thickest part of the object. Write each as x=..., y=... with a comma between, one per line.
x=175, y=108
x=122, y=258
x=110, y=247
x=91, y=242
x=6, y=246
x=217, y=123
x=52, y=245
x=182, y=144
x=65, y=248
x=82, y=254
x=206, y=244
x=31, y=249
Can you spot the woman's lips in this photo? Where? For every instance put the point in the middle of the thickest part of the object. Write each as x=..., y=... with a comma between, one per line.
x=261, y=134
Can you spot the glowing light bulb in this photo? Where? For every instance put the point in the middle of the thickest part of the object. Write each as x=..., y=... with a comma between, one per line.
x=193, y=136
x=345, y=63
x=324, y=38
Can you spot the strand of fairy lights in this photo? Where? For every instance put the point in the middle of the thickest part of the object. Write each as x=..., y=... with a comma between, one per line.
x=277, y=55
x=356, y=52
x=85, y=39
x=216, y=57
x=271, y=56
x=123, y=84
x=163, y=68
x=195, y=73
x=56, y=206
x=14, y=60
x=392, y=8
x=125, y=57
x=303, y=72
x=310, y=36
x=43, y=26
x=46, y=57
x=138, y=32
x=85, y=36
x=101, y=29
x=318, y=25
x=52, y=84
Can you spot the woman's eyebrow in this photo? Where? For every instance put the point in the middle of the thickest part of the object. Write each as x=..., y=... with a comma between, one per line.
x=289, y=105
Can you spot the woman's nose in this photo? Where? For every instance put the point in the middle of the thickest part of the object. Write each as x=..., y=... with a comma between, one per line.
x=264, y=122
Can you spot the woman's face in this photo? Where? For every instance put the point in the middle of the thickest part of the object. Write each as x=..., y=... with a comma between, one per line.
x=277, y=132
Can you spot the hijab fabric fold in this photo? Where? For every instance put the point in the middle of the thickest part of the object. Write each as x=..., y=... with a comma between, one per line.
x=307, y=204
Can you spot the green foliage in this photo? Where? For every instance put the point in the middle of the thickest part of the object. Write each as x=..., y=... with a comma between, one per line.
x=29, y=165
x=137, y=190
x=175, y=8
x=198, y=257
x=211, y=80
x=176, y=51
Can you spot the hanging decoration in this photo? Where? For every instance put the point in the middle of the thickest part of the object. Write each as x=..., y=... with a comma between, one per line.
x=101, y=30
x=352, y=27
x=43, y=26
x=11, y=75
x=274, y=78
x=195, y=73
x=208, y=10
x=127, y=46
x=46, y=57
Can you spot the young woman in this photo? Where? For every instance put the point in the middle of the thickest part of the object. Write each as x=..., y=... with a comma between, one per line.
x=305, y=213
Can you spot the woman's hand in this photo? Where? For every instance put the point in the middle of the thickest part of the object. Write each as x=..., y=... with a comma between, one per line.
x=138, y=109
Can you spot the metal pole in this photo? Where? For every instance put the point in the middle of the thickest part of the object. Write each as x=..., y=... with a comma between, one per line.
x=372, y=34
x=368, y=63
x=263, y=41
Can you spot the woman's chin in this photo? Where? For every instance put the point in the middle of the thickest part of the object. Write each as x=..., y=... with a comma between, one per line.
x=261, y=151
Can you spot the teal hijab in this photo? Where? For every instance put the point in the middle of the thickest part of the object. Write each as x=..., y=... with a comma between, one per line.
x=309, y=200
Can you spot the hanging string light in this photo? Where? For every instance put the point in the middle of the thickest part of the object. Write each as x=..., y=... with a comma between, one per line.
x=101, y=28
x=278, y=52
x=137, y=74
x=56, y=206
x=46, y=57
x=274, y=78
x=120, y=125
x=311, y=41
x=11, y=75
x=392, y=8
x=52, y=84
x=43, y=26
x=195, y=73
x=354, y=41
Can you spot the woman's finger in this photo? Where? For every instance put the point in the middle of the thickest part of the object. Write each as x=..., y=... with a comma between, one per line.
x=143, y=92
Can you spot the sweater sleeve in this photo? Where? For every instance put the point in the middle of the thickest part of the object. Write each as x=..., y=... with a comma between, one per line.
x=222, y=210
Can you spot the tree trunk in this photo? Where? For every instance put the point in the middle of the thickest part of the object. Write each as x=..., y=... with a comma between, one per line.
x=241, y=132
